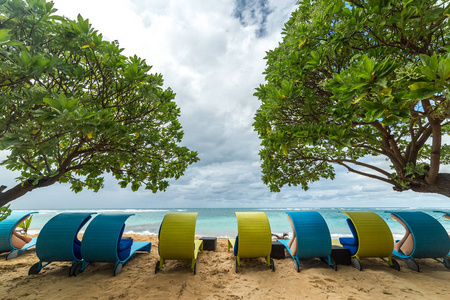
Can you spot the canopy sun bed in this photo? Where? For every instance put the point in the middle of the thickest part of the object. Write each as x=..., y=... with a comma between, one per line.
x=12, y=241
x=311, y=238
x=424, y=237
x=103, y=242
x=177, y=239
x=254, y=238
x=371, y=238
x=58, y=241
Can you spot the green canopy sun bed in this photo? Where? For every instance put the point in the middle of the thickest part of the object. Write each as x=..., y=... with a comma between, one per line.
x=254, y=238
x=371, y=238
x=177, y=239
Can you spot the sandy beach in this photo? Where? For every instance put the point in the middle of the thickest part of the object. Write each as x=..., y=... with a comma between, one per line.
x=216, y=279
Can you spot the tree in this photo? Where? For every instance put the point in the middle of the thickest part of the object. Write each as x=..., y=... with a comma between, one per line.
x=4, y=212
x=358, y=79
x=73, y=107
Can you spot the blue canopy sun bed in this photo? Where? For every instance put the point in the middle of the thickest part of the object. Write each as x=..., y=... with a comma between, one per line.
x=312, y=238
x=7, y=228
x=103, y=241
x=425, y=237
x=58, y=242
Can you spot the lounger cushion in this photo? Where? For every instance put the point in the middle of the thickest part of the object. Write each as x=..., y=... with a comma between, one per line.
x=348, y=241
x=77, y=248
x=124, y=248
x=353, y=230
x=236, y=246
x=351, y=243
x=353, y=249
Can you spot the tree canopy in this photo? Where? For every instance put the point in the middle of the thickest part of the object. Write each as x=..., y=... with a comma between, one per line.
x=74, y=107
x=357, y=79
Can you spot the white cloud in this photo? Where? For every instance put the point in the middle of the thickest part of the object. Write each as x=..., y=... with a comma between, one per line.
x=213, y=61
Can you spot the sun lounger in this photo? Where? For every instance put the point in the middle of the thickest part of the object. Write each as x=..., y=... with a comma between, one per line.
x=7, y=228
x=311, y=238
x=254, y=238
x=103, y=241
x=58, y=241
x=446, y=216
x=424, y=237
x=177, y=239
x=371, y=238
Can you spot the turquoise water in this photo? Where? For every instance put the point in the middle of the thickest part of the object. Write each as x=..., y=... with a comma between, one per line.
x=221, y=222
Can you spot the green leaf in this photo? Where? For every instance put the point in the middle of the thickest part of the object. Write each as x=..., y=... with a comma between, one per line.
x=422, y=85
x=4, y=36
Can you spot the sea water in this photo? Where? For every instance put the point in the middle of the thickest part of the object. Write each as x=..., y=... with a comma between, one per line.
x=221, y=222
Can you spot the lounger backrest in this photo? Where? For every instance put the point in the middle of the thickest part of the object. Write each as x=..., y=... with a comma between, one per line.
x=177, y=234
x=293, y=248
x=374, y=236
x=8, y=225
x=406, y=244
x=56, y=239
x=102, y=237
x=313, y=235
x=255, y=237
x=431, y=240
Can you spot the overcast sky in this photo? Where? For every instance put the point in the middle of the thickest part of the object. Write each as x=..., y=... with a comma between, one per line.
x=211, y=54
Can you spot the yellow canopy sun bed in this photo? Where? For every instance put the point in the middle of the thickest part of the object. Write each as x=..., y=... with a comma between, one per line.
x=177, y=239
x=254, y=238
x=371, y=238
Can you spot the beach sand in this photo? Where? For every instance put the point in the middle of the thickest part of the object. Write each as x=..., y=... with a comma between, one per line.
x=216, y=279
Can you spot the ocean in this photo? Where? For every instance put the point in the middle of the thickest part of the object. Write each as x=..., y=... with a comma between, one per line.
x=221, y=222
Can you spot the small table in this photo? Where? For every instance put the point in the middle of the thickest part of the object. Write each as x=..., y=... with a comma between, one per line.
x=209, y=243
x=341, y=255
x=277, y=250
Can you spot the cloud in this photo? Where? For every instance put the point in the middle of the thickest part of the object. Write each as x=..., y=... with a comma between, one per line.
x=211, y=54
x=253, y=12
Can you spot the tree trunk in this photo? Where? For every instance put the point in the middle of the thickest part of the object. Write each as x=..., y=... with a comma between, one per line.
x=23, y=188
x=441, y=186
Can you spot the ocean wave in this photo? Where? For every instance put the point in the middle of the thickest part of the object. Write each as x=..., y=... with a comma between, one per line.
x=145, y=232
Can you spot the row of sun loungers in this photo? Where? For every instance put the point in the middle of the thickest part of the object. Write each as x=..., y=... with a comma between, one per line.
x=102, y=241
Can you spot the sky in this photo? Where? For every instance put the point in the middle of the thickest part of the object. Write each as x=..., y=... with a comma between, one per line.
x=211, y=53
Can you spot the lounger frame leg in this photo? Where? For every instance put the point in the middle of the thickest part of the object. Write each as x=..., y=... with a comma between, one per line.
x=357, y=263
x=394, y=263
x=117, y=268
x=329, y=261
x=13, y=254
x=36, y=268
x=296, y=264
x=444, y=261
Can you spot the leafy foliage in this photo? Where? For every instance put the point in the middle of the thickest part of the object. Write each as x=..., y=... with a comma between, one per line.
x=74, y=107
x=4, y=212
x=352, y=79
x=25, y=225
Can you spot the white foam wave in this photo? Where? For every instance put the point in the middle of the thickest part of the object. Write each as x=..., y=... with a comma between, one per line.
x=145, y=232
